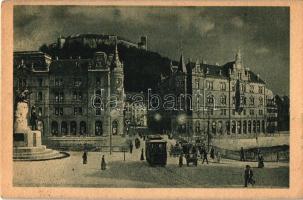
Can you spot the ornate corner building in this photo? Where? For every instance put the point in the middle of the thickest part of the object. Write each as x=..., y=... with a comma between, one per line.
x=227, y=100
x=73, y=97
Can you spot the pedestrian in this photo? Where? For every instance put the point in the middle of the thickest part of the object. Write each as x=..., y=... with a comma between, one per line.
x=242, y=154
x=218, y=156
x=204, y=153
x=181, y=160
x=84, y=157
x=260, y=161
x=142, y=156
x=248, y=176
x=212, y=153
x=103, y=163
x=131, y=147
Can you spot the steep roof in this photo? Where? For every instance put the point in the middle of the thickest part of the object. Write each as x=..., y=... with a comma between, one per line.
x=222, y=71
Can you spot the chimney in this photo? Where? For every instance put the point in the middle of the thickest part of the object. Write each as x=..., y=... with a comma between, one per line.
x=258, y=75
x=57, y=58
x=220, y=72
x=217, y=64
x=207, y=70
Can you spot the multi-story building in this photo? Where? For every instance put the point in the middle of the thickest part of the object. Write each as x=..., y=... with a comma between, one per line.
x=135, y=110
x=73, y=97
x=216, y=100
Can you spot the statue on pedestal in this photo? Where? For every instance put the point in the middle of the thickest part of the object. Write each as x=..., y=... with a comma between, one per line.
x=21, y=112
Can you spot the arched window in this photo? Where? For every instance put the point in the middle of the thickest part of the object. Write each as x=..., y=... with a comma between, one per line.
x=214, y=127
x=54, y=128
x=64, y=130
x=82, y=128
x=220, y=127
x=210, y=99
x=249, y=126
x=254, y=126
x=98, y=128
x=227, y=124
x=73, y=128
x=233, y=126
x=244, y=127
x=239, y=127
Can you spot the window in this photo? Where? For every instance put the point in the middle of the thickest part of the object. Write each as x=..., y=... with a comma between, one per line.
x=239, y=75
x=261, y=101
x=234, y=112
x=61, y=96
x=233, y=100
x=223, y=111
x=210, y=99
x=260, y=112
x=251, y=101
x=58, y=82
x=75, y=95
x=40, y=82
x=260, y=89
x=244, y=112
x=61, y=111
x=56, y=111
x=251, y=89
x=197, y=84
x=56, y=96
x=243, y=88
x=252, y=112
x=209, y=85
x=223, y=99
x=77, y=82
x=223, y=86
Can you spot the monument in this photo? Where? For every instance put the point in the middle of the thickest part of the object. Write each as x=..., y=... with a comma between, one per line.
x=27, y=142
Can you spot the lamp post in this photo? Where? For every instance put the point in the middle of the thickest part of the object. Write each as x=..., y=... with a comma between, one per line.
x=113, y=113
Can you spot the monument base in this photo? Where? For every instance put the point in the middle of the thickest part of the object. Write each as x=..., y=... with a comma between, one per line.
x=28, y=147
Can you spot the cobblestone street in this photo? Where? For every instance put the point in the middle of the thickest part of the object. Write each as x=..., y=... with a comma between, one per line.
x=135, y=173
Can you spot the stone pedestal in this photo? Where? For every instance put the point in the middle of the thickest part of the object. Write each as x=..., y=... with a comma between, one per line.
x=27, y=144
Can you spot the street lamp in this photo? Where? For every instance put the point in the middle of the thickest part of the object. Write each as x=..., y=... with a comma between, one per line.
x=113, y=113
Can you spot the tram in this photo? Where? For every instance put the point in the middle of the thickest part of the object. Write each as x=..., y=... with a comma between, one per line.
x=155, y=150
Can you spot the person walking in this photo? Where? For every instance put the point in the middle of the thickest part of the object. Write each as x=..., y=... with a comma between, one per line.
x=84, y=157
x=142, y=155
x=131, y=147
x=212, y=153
x=204, y=154
x=248, y=176
x=181, y=160
x=260, y=161
x=242, y=154
x=103, y=163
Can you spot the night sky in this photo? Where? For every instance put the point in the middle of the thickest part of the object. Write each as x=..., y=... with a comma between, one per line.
x=211, y=33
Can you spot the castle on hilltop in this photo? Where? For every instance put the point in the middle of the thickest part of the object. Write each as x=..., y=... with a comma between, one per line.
x=93, y=40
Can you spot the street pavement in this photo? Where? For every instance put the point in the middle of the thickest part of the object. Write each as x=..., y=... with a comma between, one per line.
x=134, y=173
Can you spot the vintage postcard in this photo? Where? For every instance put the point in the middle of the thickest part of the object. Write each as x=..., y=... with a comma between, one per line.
x=151, y=99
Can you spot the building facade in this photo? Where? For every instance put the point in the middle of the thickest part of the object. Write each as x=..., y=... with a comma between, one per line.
x=217, y=101
x=73, y=97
